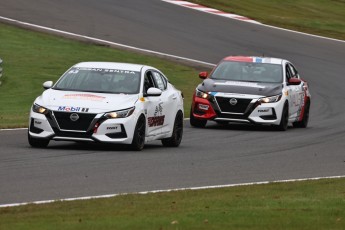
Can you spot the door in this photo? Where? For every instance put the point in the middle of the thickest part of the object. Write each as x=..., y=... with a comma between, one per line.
x=168, y=101
x=294, y=92
x=155, y=116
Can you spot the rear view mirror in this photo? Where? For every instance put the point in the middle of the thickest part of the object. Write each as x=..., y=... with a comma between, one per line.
x=47, y=84
x=294, y=81
x=154, y=92
x=203, y=75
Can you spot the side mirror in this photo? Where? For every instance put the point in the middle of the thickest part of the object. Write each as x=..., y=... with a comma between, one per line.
x=47, y=84
x=203, y=75
x=294, y=81
x=153, y=92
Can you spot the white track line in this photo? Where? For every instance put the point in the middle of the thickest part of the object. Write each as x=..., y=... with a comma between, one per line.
x=166, y=190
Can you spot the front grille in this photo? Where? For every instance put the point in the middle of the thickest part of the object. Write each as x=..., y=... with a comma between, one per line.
x=82, y=124
x=225, y=106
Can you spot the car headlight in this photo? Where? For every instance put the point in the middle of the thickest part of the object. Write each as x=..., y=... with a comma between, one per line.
x=39, y=109
x=120, y=113
x=270, y=99
x=201, y=94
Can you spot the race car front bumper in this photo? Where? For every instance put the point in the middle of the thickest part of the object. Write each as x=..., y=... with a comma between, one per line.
x=90, y=127
x=237, y=108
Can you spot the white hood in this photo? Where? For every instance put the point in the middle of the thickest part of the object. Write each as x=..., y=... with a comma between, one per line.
x=75, y=101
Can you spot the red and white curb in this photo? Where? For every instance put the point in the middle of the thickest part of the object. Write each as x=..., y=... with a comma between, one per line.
x=205, y=9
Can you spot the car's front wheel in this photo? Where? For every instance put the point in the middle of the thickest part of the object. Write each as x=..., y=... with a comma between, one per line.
x=138, y=141
x=37, y=142
x=304, y=122
x=176, y=137
x=196, y=122
x=284, y=121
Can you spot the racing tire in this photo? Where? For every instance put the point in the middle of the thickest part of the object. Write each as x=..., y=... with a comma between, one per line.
x=176, y=137
x=38, y=142
x=138, y=141
x=196, y=122
x=284, y=121
x=304, y=122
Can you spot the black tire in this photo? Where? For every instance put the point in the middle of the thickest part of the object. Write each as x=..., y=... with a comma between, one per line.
x=304, y=122
x=284, y=121
x=176, y=137
x=38, y=142
x=138, y=141
x=196, y=122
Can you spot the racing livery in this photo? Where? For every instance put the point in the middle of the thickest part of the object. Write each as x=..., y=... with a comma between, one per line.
x=108, y=102
x=256, y=90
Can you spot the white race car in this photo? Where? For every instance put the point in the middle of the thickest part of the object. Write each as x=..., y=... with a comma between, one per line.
x=256, y=90
x=108, y=102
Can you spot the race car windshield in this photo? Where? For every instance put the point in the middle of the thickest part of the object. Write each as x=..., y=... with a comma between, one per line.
x=245, y=71
x=100, y=81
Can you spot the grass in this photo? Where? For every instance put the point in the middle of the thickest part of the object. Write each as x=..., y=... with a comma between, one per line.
x=30, y=58
x=293, y=205
x=319, y=17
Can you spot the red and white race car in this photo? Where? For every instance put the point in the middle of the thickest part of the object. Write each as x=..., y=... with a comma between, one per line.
x=257, y=90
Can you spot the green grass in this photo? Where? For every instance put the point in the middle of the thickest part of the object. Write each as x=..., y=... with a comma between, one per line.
x=30, y=58
x=295, y=205
x=319, y=17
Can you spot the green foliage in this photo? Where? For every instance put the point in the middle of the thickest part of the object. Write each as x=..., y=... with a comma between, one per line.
x=31, y=58
x=294, y=205
x=319, y=17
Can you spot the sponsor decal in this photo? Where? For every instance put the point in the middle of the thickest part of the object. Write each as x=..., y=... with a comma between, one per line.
x=38, y=122
x=158, y=117
x=109, y=70
x=263, y=110
x=73, y=109
x=156, y=121
x=112, y=128
x=203, y=107
x=83, y=96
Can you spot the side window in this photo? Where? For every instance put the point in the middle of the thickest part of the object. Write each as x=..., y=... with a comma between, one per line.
x=288, y=73
x=160, y=81
x=148, y=81
x=293, y=71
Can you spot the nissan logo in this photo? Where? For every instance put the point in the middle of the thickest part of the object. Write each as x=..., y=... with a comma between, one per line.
x=74, y=117
x=233, y=101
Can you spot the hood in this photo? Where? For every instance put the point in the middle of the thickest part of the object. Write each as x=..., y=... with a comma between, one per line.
x=241, y=87
x=74, y=101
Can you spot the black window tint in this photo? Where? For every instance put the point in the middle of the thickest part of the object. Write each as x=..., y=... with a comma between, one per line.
x=288, y=72
x=293, y=71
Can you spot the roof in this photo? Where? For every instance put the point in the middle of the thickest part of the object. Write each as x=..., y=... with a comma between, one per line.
x=110, y=65
x=269, y=60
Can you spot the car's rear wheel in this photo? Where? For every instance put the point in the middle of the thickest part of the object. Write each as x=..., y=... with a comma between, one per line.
x=176, y=137
x=37, y=142
x=284, y=121
x=304, y=122
x=196, y=122
x=138, y=141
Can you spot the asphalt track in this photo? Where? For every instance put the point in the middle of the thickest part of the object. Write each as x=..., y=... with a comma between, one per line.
x=212, y=156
